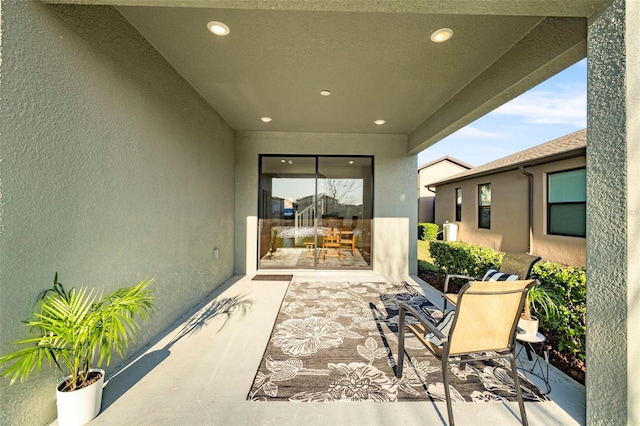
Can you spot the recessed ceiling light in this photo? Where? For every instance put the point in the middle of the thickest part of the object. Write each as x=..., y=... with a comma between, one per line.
x=325, y=92
x=266, y=119
x=218, y=28
x=283, y=161
x=351, y=161
x=443, y=34
x=379, y=122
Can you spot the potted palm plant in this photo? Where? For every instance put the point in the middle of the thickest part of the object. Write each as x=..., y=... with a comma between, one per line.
x=78, y=330
x=542, y=300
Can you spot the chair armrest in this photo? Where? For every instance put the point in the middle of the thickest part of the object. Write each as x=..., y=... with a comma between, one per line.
x=420, y=316
x=446, y=280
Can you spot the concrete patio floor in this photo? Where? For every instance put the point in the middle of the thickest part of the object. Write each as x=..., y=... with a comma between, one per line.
x=202, y=377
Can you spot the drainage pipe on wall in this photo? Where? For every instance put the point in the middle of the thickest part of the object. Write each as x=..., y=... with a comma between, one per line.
x=524, y=172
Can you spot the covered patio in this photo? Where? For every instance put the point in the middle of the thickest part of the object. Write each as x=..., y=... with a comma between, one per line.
x=204, y=376
x=131, y=148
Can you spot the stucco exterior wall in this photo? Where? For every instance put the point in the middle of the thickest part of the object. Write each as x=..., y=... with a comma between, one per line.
x=113, y=170
x=509, y=214
x=509, y=225
x=428, y=175
x=395, y=206
x=613, y=203
x=632, y=112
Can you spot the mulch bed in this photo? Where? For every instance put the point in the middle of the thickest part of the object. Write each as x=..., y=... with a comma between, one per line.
x=567, y=363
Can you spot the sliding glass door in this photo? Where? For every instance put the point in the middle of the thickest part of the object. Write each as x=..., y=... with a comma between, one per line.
x=315, y=212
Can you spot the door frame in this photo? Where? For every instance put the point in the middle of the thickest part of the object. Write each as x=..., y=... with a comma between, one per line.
x=367, y=218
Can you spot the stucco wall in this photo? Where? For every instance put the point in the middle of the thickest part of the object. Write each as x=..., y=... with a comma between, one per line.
x=613, y=176
x=113, y=169
x=509, y=214
x=395, y=206
x=509, y=225
x=632, y=112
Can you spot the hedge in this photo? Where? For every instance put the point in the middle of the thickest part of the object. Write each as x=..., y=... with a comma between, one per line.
x=464, y=259
x=568, y=282
x=427, y=231
x=570, y=323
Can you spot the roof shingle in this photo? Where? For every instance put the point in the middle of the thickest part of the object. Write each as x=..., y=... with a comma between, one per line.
x=571, y=145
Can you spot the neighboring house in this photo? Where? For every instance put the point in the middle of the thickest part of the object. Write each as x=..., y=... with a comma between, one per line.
x=431, y=172
x=491, y=203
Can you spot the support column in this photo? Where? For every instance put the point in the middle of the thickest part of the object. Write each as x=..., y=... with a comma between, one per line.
x=632, y=42
x=613, y=215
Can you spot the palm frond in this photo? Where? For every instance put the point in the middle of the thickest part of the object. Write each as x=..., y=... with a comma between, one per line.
x=79, y=330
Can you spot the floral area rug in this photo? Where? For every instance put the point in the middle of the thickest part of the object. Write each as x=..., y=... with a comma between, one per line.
x=337, y=341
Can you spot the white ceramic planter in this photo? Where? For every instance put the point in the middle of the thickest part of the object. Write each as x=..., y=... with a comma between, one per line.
x=530, y=327
x=80, y=406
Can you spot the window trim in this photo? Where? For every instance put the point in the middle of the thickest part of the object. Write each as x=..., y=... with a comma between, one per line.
x=549, y=204
x=482, y=208
x=458, y=206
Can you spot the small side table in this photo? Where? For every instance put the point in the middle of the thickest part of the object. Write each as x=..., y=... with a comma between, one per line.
x=536, y=351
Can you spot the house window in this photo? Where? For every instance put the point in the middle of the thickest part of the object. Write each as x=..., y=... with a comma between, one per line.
x=567, y=203
x=484, y=206
x=458, y=204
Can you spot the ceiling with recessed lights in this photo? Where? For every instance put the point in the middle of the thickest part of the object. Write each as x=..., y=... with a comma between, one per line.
x=377, y=59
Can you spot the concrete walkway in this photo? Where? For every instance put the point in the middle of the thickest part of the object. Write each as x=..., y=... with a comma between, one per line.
x=200, y=371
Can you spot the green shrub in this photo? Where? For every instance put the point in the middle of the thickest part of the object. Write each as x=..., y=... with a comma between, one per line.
x=570, y=284
x=463, y=258
x=427, y=231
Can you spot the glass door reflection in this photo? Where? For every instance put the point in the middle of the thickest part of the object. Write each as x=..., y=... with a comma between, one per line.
x=287, y=212
x=315, y=212
x=344, y=206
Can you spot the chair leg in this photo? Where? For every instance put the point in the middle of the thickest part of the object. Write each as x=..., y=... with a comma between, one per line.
x=463, y=362
x=400, y=363
x=447, y=391
x=516, y=382
x=444, y=309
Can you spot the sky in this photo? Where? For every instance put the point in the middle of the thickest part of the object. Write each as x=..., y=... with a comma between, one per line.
x=554, y=108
